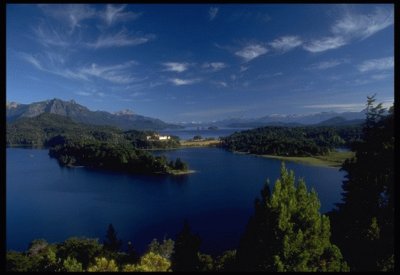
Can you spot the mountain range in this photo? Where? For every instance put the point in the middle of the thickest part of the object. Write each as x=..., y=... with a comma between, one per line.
x=125, y=119
x=291, y=120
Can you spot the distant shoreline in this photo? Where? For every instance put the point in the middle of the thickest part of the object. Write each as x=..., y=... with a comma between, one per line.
x=332, y=160
x=199, y=143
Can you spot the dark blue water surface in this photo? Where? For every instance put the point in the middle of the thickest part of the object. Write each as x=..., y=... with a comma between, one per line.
x=189, y=133
x=47, y=201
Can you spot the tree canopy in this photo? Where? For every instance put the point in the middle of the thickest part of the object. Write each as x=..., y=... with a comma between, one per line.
x=287, y=231
x=363, y=223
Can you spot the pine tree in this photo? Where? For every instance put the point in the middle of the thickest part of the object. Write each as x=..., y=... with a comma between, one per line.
x=287, y=232
x=185, y=256
x=112, y=243
x=363, y=223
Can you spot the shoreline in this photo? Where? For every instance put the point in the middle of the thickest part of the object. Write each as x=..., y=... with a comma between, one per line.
x=181, y=173
x=332, y=160
x=200, y=143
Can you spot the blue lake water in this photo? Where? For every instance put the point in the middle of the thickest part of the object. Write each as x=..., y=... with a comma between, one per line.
x=47, y=201
x=189, y=133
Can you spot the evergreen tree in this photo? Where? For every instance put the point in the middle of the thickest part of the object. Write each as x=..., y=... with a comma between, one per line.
x=83, y=250
x=150, y=262
x=103, y=265
x=363, y=224
x=287, y=232
x=180, y=165
x=132, y=254
x=164, y=249
x=185, y=256
x=226, y=261
x=112, y=243
x=72, y=265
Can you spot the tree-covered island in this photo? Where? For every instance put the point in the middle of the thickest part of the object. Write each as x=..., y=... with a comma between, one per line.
x=116, y=157
x=99, y=147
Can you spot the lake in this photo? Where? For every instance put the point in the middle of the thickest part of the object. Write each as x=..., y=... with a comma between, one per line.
x=190, y=132
x=47, y=201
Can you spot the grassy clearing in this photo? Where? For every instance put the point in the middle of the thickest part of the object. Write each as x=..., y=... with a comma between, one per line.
x=333, y=159
x=179, y=172
x=199, y=143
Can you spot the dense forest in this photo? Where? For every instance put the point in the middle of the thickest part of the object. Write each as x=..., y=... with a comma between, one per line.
x=47, y=130
x=363, y=223
x=116, y=157
x=292, y=141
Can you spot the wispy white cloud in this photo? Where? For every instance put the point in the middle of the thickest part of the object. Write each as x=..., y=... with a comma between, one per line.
x=286, y=43
x=91, y=91
x=243, y=69
x=251, y=52
x=379, y=64
x=46, y=64
x=214, y=66
x=48, y=36
x=120, y=39
x=352, y=26
x=328, y=64
x=115, y=13
x=176, y=66
x=83, y=93
x=180, y=82
x=223, y=83
x=363, y=25
x=220, y=83
x=32, y=60
x=324, y=44
x=54, y=64
x=212, y=13
x=381, y=76
x=70, y=14
x=118, y=74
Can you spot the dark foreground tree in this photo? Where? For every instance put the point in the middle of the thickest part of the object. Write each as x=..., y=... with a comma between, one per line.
x=112, y=243
x=363, y=224
x=185, y=256
x=287, y=232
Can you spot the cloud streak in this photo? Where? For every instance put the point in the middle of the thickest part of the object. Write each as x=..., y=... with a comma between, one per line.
x=251, y=52
x=328, y=64
x=214, y=66
x=380, y=64
x=70, y=14
x=212, y=13
x=175, y=67
x=181, y=82
x=113, y=14
x=352, y=26
x=54, y=64
x=286, y=43
x=324, y=44
x=363, y=25
x=118, y=74
x=120, y=39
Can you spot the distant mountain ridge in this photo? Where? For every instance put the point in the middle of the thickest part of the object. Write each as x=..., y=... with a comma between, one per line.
x=125, y=119
x=291, y=120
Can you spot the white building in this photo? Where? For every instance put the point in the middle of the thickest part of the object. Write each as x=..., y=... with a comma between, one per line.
x=158, y=137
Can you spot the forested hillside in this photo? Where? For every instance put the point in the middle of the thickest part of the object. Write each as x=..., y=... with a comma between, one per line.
x=292, y=141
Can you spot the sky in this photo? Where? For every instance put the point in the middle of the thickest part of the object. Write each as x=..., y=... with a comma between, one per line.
x=202, y=62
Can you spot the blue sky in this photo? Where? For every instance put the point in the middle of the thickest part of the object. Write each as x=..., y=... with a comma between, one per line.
x=203, y=62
